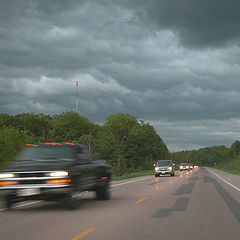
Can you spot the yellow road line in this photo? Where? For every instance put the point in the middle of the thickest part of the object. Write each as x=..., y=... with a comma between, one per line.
x=161, y=188
x=141, y=200
x=83, y=234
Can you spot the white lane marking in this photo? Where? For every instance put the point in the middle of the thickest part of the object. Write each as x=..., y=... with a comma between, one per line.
x=119, y=184
x=26, y=204
x=238, y=189
x=21, y=205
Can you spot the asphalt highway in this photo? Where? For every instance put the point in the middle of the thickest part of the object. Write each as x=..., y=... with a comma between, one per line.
x=200, y=204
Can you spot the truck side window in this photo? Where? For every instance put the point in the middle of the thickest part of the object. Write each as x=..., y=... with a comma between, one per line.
x=83, y=155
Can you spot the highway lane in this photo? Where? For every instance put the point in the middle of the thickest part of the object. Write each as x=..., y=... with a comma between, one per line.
x=194, y=205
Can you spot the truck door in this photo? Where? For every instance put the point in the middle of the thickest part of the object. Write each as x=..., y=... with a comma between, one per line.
x=87, y=167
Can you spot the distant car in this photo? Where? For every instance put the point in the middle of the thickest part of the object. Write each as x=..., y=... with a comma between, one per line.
x=184, y=167
x=163, y=167
x=195, y=166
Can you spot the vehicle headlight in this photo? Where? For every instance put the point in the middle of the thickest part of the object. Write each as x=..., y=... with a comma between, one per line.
x=58, y=174
x=156, y=168
x=187, y=167
x=181, y=167
x=170, y=168
x=6, y=175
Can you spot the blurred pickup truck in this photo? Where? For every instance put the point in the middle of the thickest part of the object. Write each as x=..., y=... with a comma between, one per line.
x=52, y=172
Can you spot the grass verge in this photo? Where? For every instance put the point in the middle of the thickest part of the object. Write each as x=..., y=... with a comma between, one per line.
x=133, y=175
x=232, y=166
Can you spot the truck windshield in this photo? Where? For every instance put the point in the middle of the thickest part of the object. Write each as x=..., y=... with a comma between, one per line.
x=164, y=163
x=46, y=154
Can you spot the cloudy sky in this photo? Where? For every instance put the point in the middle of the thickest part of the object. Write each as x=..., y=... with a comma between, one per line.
x=175, y=64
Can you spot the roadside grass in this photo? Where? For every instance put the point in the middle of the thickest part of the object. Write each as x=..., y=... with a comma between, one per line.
x=133, y=175
x=232, y=166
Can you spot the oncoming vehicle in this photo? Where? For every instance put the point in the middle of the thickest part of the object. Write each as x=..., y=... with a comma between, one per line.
x=184, y=167
x=163, y=167
x=52, y=172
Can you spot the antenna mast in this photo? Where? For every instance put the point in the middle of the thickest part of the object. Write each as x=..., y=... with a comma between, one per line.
x=76, y=110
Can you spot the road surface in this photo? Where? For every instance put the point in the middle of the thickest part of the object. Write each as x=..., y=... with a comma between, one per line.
x=200, y=204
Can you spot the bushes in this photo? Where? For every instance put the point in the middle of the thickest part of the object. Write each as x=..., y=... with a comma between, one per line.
x=11, y=142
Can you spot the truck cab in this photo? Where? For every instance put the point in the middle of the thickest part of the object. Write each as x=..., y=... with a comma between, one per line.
x=52, y=172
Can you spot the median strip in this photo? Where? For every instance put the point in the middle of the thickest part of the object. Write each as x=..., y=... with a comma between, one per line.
x=137, y=202
x=83, y=234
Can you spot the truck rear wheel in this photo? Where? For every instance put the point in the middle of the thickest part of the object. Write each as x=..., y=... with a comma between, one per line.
x=103, y=193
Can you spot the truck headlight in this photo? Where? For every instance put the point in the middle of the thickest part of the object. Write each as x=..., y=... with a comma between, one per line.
x=156, y=168
x=170, y=168
x=58, y=174
x=6, y=175
x=181, y=167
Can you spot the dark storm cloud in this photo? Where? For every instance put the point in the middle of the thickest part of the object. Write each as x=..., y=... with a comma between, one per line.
x=181, y=135
x=172, y=63
x=205, y=23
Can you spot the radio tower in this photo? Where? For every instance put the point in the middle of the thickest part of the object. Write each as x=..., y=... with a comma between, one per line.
x=76, y=110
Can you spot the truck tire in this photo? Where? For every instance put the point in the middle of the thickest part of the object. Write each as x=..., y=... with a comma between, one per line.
x=74, y=200
x=103, y=193
x=8, y=202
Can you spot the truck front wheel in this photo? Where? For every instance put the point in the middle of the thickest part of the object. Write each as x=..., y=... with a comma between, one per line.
x=8, y=202
x=103, y=193
x=74, y=200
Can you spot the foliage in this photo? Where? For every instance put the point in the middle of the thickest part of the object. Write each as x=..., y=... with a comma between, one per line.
x=227, y=159
x=232, y=166
x=88, y=140
x=6, y=120
x=129, y=145
x=69, y=126
x=36, y=124
x=11, y=142
x=235, y=150
x=203, y=156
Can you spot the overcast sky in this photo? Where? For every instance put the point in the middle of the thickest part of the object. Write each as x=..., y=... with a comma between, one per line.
x=173, y=63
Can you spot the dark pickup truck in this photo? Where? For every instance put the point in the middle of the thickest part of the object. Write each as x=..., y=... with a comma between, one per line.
x=52, y=172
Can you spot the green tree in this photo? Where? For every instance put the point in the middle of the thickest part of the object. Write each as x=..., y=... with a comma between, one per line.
x=6, y=120
x=118, y=127
x=11, y=142
x=129, y=145
x=234, y=150
x=36, y=124
x=146, y=146
x=69, y=126
x=88, y=140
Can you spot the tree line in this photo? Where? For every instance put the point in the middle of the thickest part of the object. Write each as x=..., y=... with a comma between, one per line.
x=217, y=156
x=127, y=144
